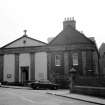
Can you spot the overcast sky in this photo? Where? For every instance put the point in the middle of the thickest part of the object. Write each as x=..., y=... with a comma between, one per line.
x=43, y=18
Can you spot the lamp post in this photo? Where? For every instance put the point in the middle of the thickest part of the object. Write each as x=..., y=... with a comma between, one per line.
x=72, y=75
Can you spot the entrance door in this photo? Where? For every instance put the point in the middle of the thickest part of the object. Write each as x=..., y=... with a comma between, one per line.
x=24, y=74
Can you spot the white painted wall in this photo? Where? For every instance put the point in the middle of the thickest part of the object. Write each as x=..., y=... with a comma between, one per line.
x=9, y=67
x=24, y=60
x=41, y=66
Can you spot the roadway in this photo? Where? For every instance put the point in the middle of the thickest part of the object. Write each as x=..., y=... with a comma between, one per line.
x=9, y=96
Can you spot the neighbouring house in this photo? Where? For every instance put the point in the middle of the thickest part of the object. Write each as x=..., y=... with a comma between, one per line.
x=102, y=58
x=71, y=48
x=27, y=59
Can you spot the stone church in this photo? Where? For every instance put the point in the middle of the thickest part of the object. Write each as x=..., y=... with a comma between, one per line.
x=22, y=60
x=27, y=59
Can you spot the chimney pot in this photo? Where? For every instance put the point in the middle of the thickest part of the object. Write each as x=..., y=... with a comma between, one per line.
x=68, y=18
x=69, y=22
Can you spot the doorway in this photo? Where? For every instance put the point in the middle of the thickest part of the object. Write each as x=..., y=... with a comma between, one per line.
x=24, y=74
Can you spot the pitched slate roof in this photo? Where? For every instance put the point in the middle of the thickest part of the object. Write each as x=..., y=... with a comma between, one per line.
x=70, y=36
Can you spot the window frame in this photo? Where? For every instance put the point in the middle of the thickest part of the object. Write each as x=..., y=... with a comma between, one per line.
x=57, y=59
x=75, y=59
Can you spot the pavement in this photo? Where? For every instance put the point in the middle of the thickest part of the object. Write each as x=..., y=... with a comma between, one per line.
x=86, y=98
x=16, y=87
x=67, y=94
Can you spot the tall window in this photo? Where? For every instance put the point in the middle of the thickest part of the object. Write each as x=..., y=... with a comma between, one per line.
x=57, y=60
x=75, y=59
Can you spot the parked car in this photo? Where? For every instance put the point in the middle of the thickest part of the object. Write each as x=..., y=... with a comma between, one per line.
x=44, y=85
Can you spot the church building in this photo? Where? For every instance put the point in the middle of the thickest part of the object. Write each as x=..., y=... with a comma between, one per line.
x=27, y=59
x=22, y=60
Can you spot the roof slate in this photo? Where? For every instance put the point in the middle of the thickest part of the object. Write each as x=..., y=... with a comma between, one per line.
x=70, y=36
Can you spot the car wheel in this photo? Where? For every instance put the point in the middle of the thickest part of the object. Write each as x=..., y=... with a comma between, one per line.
x=37, y=87
x=55, y=88
x=33, y=87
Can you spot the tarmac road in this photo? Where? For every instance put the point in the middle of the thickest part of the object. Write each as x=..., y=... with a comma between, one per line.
x=9, y=96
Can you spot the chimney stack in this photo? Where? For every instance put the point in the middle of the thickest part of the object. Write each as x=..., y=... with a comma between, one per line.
x=69, y=22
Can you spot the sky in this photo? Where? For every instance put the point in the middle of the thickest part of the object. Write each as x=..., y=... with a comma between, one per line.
x=44, y=18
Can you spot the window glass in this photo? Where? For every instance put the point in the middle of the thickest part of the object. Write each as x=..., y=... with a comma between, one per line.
x=57, y=60
x=75, y=59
